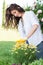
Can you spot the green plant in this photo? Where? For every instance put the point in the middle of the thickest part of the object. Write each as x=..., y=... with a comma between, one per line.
x=23, y=53
x=5, y=56
x=37, y=62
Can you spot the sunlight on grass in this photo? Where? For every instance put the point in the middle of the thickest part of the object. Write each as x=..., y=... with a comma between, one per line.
x=9, y=35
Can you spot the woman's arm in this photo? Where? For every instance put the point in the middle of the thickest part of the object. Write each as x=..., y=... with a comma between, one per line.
x=34, y=28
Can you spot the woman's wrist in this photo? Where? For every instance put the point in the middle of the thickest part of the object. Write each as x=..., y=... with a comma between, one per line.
x=26, y=38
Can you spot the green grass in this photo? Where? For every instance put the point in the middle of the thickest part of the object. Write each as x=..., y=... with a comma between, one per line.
x=5, y=54
x=6, y=58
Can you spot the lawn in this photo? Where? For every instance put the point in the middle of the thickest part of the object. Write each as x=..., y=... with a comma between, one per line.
x=6, y=57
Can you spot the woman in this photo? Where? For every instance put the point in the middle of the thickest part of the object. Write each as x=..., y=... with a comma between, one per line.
x=28, y=27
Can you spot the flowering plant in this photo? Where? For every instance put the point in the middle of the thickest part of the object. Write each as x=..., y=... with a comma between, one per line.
x=23, y=53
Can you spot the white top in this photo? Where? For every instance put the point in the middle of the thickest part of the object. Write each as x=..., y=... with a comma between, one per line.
x=29, y=19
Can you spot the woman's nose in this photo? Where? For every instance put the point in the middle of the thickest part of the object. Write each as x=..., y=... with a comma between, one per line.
x=15, y=15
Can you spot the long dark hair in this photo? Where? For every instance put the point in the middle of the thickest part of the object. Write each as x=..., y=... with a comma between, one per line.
x=16, y=7
x=10, y=17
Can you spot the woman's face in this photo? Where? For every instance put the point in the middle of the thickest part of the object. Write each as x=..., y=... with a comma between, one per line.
x=16, y=13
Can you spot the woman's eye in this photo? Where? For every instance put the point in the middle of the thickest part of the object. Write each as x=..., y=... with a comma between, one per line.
x=14, y=12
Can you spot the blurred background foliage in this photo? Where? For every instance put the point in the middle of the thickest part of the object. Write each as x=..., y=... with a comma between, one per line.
x=3, y=12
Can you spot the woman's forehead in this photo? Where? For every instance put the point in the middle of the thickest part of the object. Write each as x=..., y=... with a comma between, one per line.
x=14, y=10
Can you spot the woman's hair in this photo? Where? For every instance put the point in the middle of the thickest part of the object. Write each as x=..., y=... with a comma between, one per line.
x=16, y=7
x=10, y=17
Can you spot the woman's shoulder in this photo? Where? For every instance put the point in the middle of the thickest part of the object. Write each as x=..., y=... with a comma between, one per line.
x=29, y=12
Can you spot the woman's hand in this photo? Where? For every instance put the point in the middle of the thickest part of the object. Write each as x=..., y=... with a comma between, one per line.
x=25, y=38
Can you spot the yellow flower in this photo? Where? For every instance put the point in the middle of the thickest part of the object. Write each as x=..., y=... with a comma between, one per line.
x=20, y=41
x=19, y=44
x=25, y=45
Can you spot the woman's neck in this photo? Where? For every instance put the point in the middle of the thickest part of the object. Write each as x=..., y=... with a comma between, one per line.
x=22, y=14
